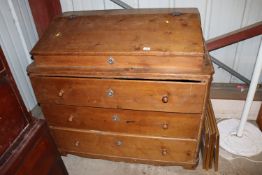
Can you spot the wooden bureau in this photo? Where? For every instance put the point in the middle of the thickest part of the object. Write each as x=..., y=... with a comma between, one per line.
x=125, y=85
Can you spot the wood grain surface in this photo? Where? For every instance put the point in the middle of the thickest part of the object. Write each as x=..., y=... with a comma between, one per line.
x=148, y=32
x=185, y=97
x=125, y=85
x=123, y=121
x=121, y=145
x=180, y=63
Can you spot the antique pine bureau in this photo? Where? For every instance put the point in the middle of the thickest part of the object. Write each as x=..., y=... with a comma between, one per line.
x=124, y=85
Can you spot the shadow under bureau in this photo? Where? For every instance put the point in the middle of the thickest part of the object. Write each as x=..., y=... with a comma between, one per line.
x=125, y=85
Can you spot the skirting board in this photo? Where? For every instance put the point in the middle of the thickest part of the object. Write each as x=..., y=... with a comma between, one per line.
x=233, y=108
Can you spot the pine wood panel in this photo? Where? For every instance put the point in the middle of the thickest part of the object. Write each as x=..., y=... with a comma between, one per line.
x=149, y=94
x=202, y=74
x=120, y=32
x=202, y=6
x=179, y=63
x=123, y=121
x=126, y=94
x=175, y=151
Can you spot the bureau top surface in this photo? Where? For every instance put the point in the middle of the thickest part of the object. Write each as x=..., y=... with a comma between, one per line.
x=124, y=32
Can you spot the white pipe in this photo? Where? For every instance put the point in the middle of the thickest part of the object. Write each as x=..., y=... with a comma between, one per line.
x=251, y=92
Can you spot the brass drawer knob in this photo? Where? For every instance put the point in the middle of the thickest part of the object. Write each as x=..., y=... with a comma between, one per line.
x=70, y=118
x=61, y=93
x=164, y=151
x=165, y=99
x=77, y=143
x=110, y=93
x=119, y=143
x=110, y=60
x=115, y=118
x=165, y=125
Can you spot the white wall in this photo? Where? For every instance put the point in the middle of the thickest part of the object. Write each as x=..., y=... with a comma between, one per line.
x=17, y=37
x=218, y=17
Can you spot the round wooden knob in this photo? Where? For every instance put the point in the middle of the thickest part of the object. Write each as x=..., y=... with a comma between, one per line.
x=164, y=151
x=70, y=118
x=77, y=143
x=165, y=99
x=165, y=125
x=61, y=93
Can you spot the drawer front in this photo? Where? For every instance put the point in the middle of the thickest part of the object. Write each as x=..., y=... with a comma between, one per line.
x=128, y=146
x=125, y=94
x=122, y=62
x=124, y=121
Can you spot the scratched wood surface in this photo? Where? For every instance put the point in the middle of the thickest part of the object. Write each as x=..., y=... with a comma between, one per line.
x=146, y=149
x=128, y=32
x=147, y=123
x=165, y=96
x=140, y=76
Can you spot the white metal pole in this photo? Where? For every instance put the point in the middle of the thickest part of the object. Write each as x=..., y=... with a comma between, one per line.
x=251, y=92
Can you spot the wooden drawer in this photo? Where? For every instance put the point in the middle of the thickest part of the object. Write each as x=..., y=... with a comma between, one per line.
x=168, y=96
x=124, y=121
x=127, y=146
x=122, y=62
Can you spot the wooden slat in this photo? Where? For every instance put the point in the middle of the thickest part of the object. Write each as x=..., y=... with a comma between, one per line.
x=259, y=118
x=216, y=143
x=211, y=135
x=235, y=36
x=210, y=139
x=205, y=143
